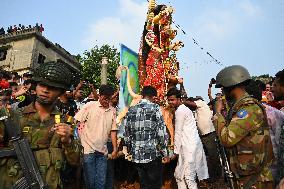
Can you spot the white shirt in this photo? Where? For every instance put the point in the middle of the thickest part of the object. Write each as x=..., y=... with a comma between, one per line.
x=188, y=145
x=203, y=117
x=98, y=124
x=79, y=104
x=185, y=128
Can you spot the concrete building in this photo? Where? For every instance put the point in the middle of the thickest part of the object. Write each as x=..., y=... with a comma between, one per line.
x=26, y=49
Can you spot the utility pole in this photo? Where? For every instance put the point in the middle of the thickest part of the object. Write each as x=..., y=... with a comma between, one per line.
x=104, y=71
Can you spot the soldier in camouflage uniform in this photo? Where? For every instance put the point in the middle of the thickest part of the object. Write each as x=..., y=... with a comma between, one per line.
x=46, y=129
x=244, y=132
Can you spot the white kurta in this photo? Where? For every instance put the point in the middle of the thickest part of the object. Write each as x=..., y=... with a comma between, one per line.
x=192, y=159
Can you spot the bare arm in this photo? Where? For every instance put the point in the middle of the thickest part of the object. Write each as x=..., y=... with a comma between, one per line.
x=79, y=86
x=190, y=104
x=113, y=136
x=210, y=94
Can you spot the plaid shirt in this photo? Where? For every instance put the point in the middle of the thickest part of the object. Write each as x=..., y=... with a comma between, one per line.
x=145, y=132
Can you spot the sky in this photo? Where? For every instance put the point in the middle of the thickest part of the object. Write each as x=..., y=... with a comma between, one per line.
x=243, y=32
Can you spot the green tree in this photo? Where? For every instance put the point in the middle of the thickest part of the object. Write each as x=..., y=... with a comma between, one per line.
x=265, y=78
x=91, y=64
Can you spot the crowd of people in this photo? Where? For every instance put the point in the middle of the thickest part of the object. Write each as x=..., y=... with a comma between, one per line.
x=21, y=27
x=76, y=136
x=246, y=117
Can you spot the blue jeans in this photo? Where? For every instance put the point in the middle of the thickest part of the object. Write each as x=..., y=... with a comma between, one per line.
x=110, y=168
x=95, y=166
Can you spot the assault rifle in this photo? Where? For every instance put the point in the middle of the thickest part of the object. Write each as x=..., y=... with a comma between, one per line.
x=21, y=149
x=228, y=174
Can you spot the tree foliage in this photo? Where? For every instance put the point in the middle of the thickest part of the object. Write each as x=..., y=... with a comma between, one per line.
x=91, y=64
x=265, y=78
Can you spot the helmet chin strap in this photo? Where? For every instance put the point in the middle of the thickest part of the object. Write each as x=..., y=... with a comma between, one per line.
x=43, y=101
x=231, y=102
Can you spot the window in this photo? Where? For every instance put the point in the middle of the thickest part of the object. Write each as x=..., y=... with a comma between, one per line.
x=3, y=54
x=41, y=59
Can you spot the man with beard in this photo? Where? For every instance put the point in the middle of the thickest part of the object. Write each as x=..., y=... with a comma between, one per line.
x=51, y=139
x=244, y=132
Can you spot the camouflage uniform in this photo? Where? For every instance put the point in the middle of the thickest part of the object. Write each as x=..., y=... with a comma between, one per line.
x=50, y=153
x=245, y=134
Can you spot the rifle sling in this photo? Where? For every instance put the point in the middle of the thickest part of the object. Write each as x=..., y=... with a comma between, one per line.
x=7, y=153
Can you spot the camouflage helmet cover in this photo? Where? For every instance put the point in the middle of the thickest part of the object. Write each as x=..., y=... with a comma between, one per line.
x=53, y=74
x=231, y=76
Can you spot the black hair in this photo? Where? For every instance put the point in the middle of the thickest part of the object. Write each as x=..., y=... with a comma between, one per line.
x=7, y=92
x=174, y=92
x=191, y=99
x=5, y=75
x=261, y=85
x=146, y=48
x=14, y=73
x=199, y=98
x=13, y=84
x=149, y=91
x=106, y=90
x=27, y=74
x=29, y=81
x=254, y=90
x=211, y=103
x=17, y=77
x=213, y=81
x=33, y=86
x=280, y=76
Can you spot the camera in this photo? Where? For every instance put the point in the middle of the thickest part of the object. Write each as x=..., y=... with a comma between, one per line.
x=212, y=81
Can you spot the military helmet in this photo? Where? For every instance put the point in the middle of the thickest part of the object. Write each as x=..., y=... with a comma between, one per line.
x=53, y=74
x=231, y=76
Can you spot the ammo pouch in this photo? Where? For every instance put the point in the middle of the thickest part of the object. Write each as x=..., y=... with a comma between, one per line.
x=244, y=162
x=56, y=156
x=50, y=162
x=49, y=157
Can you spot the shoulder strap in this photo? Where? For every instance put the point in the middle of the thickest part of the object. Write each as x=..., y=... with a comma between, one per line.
x=236, y=106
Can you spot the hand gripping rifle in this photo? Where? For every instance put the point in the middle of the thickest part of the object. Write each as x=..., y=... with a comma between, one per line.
x=228, y=174
x=21, y=148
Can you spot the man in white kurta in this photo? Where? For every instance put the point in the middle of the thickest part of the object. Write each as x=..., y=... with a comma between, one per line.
x=187, y=145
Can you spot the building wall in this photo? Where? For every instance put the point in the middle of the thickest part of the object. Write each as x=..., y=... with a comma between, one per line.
x=48, y=52
x=19, y=56
x=26, y=48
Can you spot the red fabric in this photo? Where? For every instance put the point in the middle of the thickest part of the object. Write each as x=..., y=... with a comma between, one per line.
x=81, y=127
x=4, y=84
x=274, y=104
